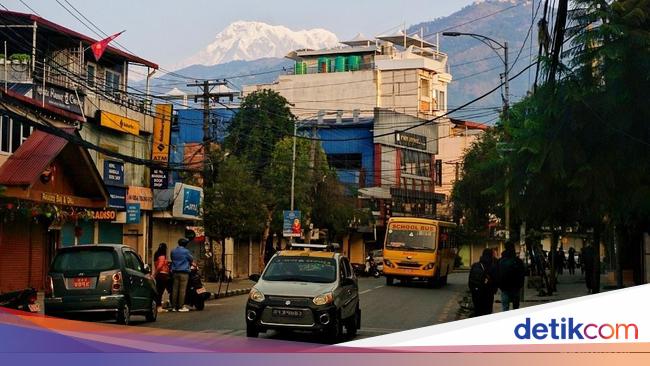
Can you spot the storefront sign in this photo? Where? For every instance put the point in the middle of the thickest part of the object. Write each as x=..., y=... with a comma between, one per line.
x=59, y=98
x=161, y=133
x=113, y=173
x=56, y=198
x=291, y=227
x=411, y=140
x=159, y=179
x=119, y=123
x=104, y=215
x=117, y=197
x=132, y=213
x=187, y=202
x=140, y=195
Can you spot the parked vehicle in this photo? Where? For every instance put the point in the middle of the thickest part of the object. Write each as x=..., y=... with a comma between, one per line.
x=378, y=255
x=313, y=290
x=103, y=279
x=370, y=268
x=20, y=300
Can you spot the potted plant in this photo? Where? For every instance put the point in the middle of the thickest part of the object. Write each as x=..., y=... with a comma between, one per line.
x=20, y=58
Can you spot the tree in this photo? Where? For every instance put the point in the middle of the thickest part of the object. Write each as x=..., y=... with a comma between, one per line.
x=234, y=205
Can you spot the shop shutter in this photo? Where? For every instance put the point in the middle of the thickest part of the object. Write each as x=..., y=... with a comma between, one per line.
x=110, y=233
x=21, y=255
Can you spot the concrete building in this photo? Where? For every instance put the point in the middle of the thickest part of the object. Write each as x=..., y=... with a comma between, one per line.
x=55, y=71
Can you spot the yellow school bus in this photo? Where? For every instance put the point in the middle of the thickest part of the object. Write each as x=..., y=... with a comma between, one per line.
x=419, y=248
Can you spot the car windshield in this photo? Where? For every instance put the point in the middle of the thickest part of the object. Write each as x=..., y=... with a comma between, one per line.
x=91, y=259
x=411, y=237
x=302, y=269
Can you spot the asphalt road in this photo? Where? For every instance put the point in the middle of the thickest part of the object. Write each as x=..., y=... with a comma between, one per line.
x=384, y=309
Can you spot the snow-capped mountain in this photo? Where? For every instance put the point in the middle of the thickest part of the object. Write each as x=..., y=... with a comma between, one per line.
x=244, y=40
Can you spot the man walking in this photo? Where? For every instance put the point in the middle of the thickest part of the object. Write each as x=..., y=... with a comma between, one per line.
x=511, y=274
x=181, y=261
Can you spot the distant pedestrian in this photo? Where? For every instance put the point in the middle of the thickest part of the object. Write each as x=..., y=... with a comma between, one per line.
x=559, y=261
x=181, y=262
x=511, y=272
x=161, y=274
x=588, y=264
x=571, y=261
x=482, y=283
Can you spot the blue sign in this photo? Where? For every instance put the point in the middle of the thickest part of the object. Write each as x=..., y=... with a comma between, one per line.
x=113, y=173
x=291, y=226
x=133, y=213
x=191, y=201
x=117, y=197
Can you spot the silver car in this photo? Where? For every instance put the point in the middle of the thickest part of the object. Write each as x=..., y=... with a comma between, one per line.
x=307, y=289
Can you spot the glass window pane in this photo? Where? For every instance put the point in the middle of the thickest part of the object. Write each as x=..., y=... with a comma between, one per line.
x=4, y=142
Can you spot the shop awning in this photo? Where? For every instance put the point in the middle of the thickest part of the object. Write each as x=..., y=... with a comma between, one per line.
x=48, y=164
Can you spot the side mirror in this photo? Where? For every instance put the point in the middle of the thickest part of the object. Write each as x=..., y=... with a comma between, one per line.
x=254, y=277
x=146, y=269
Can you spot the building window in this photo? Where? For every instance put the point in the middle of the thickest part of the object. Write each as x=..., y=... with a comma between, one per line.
x=441, y=104
x=425, y=88
x=14, y=134
x=415, y=163
x=438, y=172
x=90, y=75
x=112, y=82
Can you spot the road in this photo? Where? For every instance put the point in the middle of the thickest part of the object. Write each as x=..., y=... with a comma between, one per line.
x=384, y=309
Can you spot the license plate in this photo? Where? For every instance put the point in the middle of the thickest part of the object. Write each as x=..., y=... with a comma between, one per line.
x=34, y=308
x=81, y=282
x=200, y=290
x=287, y=313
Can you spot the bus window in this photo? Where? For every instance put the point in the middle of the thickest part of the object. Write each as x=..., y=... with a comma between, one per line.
x=411, y=237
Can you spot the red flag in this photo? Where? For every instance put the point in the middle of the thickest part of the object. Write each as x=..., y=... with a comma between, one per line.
x=100, y=46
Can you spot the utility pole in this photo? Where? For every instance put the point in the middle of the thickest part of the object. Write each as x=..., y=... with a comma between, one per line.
x=506, y=106
x=208, y=166
x=206, y=95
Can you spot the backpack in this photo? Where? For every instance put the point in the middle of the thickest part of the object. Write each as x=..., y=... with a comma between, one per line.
x=478, y=277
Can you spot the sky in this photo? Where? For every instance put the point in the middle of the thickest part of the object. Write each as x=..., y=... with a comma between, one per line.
x=168, y=31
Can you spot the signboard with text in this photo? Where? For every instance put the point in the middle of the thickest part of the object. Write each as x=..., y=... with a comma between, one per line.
x=132, y=213
x=187, y=201
x=117, y=197
x=119, y=123
x=161, y=133
x=411, y=140
x=140, y=195
x=59, y=98
x=113, y=173
x=159, y=179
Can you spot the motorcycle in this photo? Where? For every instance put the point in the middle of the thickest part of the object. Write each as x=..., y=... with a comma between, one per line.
x=367, y=269
x=24, y=300
x=196, y=294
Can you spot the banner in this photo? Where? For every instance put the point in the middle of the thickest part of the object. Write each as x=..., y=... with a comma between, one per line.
x=291, y=226
x=161, y=133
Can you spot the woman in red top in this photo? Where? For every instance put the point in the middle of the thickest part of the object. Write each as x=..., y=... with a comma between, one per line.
x=161, y=273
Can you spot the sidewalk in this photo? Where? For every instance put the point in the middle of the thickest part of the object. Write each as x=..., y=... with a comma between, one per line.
x=568, y=287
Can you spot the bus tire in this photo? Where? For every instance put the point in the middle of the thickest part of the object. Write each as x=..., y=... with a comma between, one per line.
x=389, y=281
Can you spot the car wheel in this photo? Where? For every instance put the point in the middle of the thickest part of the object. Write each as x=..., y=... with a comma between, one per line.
x=335, y=330
x=354, y=324
x=152, y=314
x=389, y=281
x=252, y=331
x=123, y=314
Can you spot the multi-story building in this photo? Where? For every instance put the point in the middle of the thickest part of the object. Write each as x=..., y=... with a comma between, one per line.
x=49, y=77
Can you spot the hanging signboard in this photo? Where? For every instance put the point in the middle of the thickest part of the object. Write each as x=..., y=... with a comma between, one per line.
x=119, y=123
x=132, y=213
x=113, y=173
x=161, y=133
x=117, y=197
x=187, y=202
x=59, y=98
x=159, y=179
x=140, y=195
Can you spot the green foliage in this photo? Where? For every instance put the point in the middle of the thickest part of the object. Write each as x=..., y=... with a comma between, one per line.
x=234, y=205
x=264, y=118
x=22, y=57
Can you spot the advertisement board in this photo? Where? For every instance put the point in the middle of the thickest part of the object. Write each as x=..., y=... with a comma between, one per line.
x=161, y=133
x=291, y=226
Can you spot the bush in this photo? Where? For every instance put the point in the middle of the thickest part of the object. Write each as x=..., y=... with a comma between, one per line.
x=22, y=57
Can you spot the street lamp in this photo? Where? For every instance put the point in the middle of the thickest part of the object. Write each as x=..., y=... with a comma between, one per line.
x=496, y=46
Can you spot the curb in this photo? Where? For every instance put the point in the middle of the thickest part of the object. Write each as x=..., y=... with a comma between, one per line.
x=237, y=292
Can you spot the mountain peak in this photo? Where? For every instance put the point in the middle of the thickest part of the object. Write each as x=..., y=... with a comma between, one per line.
x=252, y=40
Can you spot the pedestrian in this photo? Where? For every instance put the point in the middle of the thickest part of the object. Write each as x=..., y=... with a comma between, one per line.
x=571, y=261
x=482, y=283
x=588, y=263
x=559, y=261
x=510, y=277
x=161, y=274
x=181, y=262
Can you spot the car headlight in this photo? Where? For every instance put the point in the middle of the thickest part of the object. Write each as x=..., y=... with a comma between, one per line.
x=323, y=299
x=256, y=295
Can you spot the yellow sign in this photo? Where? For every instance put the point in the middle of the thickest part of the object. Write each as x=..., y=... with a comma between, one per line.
x=57, y=198
x=141, y=195
x=119, y=123
x=161, y=132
